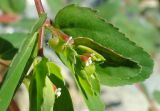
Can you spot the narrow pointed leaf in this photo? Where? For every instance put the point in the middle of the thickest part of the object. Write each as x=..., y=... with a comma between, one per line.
x=89, y=88
x=17, y=66
x=48, y=96
x=14, y=74
x=39, y=23
x=93, y=101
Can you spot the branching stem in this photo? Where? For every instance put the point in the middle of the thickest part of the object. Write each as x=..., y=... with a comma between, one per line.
x=40, y=11
x=57, y=32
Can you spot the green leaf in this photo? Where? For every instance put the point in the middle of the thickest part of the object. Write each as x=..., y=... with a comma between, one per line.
x=34, y=54
x=93, y=101
x=68, y=55
x=65, y=52
x=112, y=58
x=138, y=31
x=7, y=51
x=17, y=66
x=15, y=71
x=96, y=57
x=88, y=85
x=48, y=96
x=136, y=64
x=156, y=95
x=87, y=78
x=82, y=78
x=58, y=81
x=42, y=94
x=39, y=23
x=92, y=77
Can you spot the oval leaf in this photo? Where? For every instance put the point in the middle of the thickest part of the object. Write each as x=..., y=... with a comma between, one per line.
x=88, y=24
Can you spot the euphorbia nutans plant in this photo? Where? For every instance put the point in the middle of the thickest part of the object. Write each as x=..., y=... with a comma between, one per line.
x=94, y=50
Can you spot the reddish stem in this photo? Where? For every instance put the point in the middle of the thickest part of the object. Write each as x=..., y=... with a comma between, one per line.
x=47, y=23
x=8, y=18
x=59, y=33
x=39, y=7
x=40, y=41
x=40, y=11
